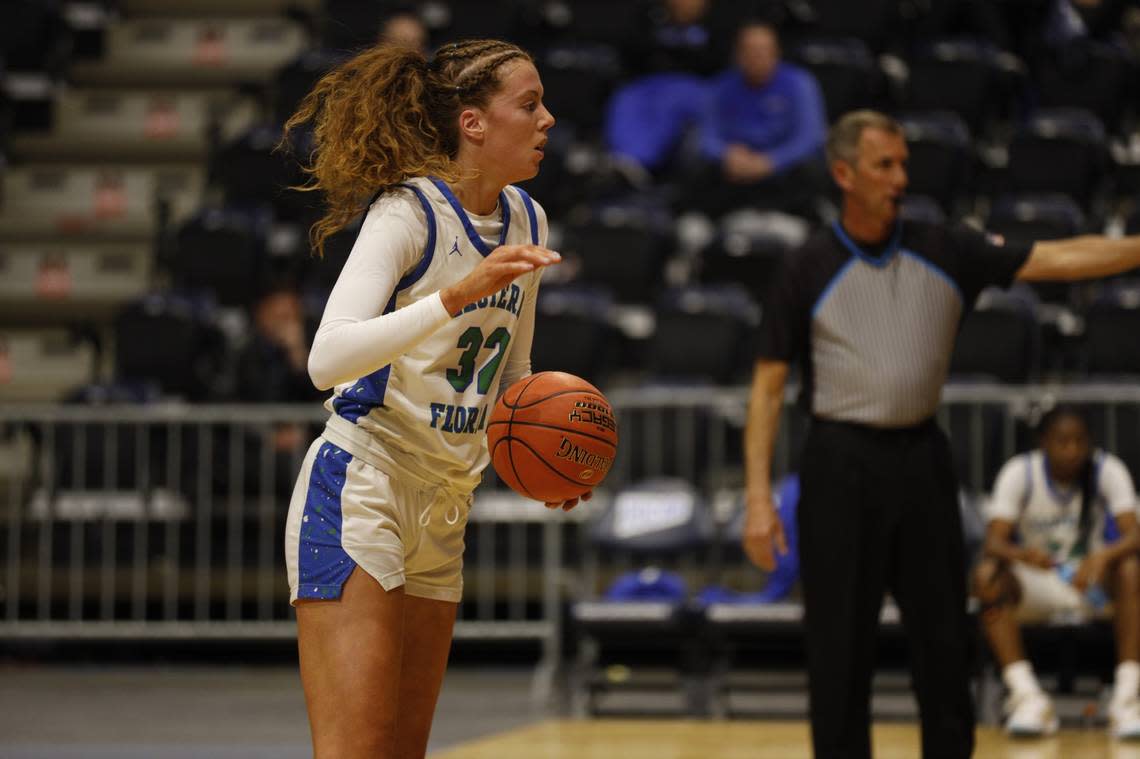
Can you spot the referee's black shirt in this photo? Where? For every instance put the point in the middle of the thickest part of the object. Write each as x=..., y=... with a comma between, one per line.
x=874, y=329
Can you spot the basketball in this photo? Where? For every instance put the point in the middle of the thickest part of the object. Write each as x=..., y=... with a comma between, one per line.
x=552, y=436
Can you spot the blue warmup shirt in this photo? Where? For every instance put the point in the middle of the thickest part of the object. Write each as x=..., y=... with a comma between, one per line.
x=784, y=119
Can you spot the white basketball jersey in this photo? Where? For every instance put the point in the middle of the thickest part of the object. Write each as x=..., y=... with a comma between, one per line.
x=1047, y=517
x=430, y=406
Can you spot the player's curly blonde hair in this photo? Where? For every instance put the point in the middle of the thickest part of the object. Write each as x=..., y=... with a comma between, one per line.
x=389, y=114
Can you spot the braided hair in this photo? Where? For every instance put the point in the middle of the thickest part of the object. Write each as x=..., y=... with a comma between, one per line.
x=389, y=114
x=1086, y=476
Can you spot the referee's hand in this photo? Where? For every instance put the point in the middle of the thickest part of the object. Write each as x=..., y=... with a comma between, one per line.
x=763, y=531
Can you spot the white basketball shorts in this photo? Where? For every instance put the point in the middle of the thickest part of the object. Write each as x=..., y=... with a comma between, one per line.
x=346, y=512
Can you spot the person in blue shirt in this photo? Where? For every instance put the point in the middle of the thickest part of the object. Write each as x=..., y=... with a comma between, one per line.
x=762, y=132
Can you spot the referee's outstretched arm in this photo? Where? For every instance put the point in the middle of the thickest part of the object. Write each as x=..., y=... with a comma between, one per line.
x=1083, y=257
x=763, y=531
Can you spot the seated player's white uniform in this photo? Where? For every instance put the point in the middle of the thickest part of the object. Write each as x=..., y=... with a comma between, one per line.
x=1047, y=518
x=387, y=486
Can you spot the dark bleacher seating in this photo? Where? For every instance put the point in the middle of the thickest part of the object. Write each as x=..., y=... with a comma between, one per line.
x=997, y=342
x=1096, y=76
x=252, y=173
x=871, y=21
x=578, y=79
x=941, y=163
x=750, y=251
x=704, y=334
x=1112, y=332
x=846, y=72
x=1024, y=219
x=464, y=19
x=220, y=253
x=622, y=252
x=572, y=333
x=169, y=343
x=294, y=80
x=1059, y=151
x=922, y=208
x=34, y=37
x=966, y=76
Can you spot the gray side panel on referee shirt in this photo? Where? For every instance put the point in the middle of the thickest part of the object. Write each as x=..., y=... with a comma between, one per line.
x=882, y=335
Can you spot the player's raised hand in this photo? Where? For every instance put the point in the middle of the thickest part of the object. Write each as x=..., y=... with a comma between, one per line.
x=763, y=532
x=495, y=272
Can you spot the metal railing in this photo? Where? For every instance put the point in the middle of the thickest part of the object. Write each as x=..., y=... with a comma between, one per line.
x=166, y=521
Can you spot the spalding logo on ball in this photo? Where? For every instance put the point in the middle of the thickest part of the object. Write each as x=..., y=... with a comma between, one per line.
x=552, y=436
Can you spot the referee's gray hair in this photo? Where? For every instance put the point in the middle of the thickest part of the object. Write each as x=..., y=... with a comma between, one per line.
x=843, y=137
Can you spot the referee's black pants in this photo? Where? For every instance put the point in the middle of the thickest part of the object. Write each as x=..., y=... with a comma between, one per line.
x=878, y=512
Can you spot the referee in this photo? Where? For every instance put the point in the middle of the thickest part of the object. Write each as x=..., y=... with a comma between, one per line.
x=871, y=307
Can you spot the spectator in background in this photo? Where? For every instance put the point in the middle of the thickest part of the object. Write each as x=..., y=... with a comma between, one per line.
x=273, y=366
x=762, y=133
x=405, y=28
x=1047, y=551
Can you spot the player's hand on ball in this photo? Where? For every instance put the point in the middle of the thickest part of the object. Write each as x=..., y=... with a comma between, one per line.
x=496, y=271
x=567, y=505
x=763, y=531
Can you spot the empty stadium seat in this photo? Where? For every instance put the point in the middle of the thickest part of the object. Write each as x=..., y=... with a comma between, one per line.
x=296, y=78
x=170, y=343
x=34, y=37
x=578, y=79
x=624, y=254
x=846, y=71
x=572, y=333
x=43, y=365
x=54, y=282
x=1096, y=76
x=704, y=334
x=193, y=52
x=870, y=22
x=999, y=340
x=134, y=125
x=1112, y=327
x=922, y=208
x=967, y=76
x=220, y=253
x=45, y=202
x=464, y=19
x=941, y=157
x=251, y=172
x=750, y=249
x=1059, y=151
x=1024, y=219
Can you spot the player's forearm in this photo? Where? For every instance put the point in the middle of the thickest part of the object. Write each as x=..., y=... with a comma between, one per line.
x=1084, y=257
x=1126, y=545
x=1003, y=549
x=345, y=351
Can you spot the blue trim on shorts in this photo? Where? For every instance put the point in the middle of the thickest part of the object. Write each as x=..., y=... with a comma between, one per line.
x=323, y=566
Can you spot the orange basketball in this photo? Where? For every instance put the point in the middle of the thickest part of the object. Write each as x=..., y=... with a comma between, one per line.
x=552, y=436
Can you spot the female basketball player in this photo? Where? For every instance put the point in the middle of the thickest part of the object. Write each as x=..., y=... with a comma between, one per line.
x=432, y=313
x=1056, y=499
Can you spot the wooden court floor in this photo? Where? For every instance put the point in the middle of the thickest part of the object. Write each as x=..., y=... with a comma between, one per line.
x=681, y=739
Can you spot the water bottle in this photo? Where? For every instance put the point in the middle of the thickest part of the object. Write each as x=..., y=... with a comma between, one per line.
x=1095, y=595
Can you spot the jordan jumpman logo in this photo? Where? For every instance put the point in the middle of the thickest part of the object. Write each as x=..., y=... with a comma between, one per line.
x=455, y=248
